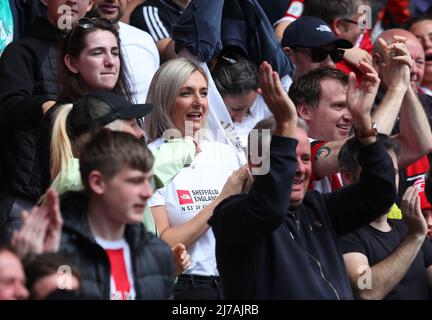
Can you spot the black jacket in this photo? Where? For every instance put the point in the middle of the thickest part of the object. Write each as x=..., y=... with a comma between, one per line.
x=152, y=261
x=24, y=13
x=265, y=251
x=28, y=73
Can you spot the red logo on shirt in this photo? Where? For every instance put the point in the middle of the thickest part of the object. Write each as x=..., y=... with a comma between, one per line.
x=184, y=196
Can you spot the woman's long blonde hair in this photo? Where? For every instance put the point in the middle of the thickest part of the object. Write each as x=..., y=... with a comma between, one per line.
x=163, y=92
x=64, y=147
x=61, y=148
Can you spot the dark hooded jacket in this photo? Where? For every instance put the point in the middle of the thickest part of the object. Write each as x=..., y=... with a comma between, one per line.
x=28, y=73
x=152, y=261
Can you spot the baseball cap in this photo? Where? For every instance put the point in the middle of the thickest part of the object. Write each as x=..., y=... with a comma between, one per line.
x=98, y=109
x=311, y=32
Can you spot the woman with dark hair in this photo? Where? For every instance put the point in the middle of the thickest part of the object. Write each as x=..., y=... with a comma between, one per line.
x=92, y=43
x=91, y=61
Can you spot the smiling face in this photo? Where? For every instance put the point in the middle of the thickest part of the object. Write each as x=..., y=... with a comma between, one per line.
x=111, y=9
x=417, y=54
x=126, y=195
x=98, y=65
x=332, y=119
x=303, y=171
x=191, y=104
x=12, y=277
x=423, y=31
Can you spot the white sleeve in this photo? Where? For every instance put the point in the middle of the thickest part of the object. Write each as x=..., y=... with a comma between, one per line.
x=158, y=198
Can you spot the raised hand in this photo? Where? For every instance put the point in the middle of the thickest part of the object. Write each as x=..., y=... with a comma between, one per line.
x=274, y=95
x=412, y=213
x=361, y=99
x=30, y=238
x=53, y=234
x=397, y=64
x=355, y=56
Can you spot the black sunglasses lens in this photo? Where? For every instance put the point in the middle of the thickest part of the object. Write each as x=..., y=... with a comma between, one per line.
x=337, y=55
x=85, y=23
x=318, y=54
x=90, y=22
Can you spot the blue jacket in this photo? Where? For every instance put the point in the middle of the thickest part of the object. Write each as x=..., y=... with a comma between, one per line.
x=206, y=27
x=266, y=251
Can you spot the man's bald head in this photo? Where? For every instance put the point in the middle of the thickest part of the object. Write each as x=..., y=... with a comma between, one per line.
x=414, y=47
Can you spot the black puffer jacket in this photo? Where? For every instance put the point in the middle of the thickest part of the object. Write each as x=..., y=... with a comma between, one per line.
x=28, y=73
x=151, y=257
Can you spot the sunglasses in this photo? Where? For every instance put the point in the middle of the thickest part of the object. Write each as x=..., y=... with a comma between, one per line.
x=350, y=21
x=88, y=23
x=320, y=54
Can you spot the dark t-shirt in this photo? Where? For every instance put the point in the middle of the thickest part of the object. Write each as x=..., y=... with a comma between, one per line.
x=377, y=246
x=156, y=17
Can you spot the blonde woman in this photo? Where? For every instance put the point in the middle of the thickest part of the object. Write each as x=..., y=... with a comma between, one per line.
x=182, y=208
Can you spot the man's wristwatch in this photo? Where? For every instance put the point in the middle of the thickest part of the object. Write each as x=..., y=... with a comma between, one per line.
x=367, y=133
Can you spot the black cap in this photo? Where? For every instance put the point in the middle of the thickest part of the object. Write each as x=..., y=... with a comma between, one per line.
x=101, y=108
x=311, y=32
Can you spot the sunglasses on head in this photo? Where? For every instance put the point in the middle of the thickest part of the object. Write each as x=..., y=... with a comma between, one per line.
x=88, y=23
x=320, y=54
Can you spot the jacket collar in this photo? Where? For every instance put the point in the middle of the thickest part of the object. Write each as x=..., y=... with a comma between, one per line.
x=74, y=205
x=43, y=29
x=172, y=6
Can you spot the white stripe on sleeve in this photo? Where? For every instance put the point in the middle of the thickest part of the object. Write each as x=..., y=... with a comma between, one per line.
x=160, y=24
x=149, y=24
x=155, y=26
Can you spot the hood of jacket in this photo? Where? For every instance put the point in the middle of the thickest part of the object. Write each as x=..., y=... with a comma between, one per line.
x=43, y=29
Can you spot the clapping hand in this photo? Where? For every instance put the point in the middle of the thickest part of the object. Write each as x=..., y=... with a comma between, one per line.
x=41, y=228
x=412, y=213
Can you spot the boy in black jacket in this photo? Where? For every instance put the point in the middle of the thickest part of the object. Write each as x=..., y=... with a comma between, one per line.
x=280, y=242
x=100, y=229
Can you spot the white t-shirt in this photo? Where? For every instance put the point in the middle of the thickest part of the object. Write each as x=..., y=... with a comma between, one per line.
x=142, y=59
x=191, y=190
x=258, y=112
x=119, y=256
